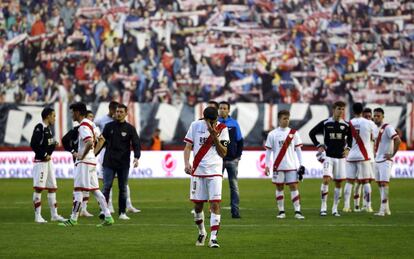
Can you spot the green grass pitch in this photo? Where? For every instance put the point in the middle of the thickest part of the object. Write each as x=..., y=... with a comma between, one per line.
x=165, y=226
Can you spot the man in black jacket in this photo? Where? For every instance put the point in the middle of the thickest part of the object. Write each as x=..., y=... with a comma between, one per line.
x=43, y=144
x=119, y=136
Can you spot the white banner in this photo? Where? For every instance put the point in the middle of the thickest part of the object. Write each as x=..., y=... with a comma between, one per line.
x=170, y=164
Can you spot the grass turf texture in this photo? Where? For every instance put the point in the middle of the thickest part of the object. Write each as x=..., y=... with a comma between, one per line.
x=165, y=227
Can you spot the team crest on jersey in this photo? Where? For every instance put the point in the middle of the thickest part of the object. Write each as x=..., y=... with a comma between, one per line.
x=342, y=127
x=123, y=134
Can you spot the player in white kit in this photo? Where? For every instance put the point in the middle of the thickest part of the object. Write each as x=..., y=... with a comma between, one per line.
x=85, y=177
x=358, y=166
x=387, y=143
x=285, y=145
x=208, y=139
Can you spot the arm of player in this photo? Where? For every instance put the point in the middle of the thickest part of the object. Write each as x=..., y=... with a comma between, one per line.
x=187, y=152
x=136, y=146
x=397, y=142
x=220, y=147
x=99, y=145
x=88, y=146
x=268, y=164
x=318, y=129
x=301, y=170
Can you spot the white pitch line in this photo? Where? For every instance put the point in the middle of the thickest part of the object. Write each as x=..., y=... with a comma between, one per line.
x=230, y=225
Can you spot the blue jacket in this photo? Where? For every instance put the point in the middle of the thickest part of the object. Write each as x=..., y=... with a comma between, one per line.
x=235, y=148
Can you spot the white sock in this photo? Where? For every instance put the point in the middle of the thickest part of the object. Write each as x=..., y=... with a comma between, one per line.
x=386, y=199
x=367, y=194
x=37, y=203
x=280, y=199
x=128, y=197
x=110, y=199
x=337, y=198
x=51, y=198
x=214, y=225
x=294, y=195
x=324, y=196
x=357, y=194
x=77, y=202
x=199, y=220
x=85, y=200
x=347, y=195
x=102, y=202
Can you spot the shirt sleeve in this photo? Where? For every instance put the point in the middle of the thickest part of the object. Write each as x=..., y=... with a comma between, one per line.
x=391, y=133
x=318, y=129
x=238, y=132
x=297, y=140
x=136, y=143
x=189, y=138
x=85, y=133
x=269, y=142
x=224, y=135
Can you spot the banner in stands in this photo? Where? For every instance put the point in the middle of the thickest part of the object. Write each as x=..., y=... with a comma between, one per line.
x=169, y=164
x=17, y=121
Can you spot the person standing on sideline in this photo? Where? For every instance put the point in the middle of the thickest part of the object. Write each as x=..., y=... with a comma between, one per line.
x=101, y=122
x=208, y=139
x=119, y=136
x=337, y=140
x=156, y=142
x=234, y=152
x=85, y=176
x=387, y=143
x=43, y=144
x=284, y=142
x=358, y=166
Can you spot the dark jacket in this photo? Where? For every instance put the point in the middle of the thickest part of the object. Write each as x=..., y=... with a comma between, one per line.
x=70, y=140
x=235, y=147
x=119, y=137
x=42, y=142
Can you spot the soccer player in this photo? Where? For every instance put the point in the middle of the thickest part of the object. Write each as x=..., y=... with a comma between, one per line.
x=234, y=152
x=85, y=177
x=332, y=153
x=43, y=144
x=208, y=139
x=101, y=123
x=284, y=142
x=386, y=146
x=358, y=166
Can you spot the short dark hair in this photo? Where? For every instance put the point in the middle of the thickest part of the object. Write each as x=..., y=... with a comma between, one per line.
x=367, y=110
x=357, y=108
x=225, y=103
x=46, y=112
x=210, y=113
x=214, y=103
x=89, y=111
x=379, y=110
x=113, y=105
x=338, y=104
x=122, y=106
x=79, y=107
x=283, y=113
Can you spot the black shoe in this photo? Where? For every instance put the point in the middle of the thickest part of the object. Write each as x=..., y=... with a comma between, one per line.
x=102, y=216
x=213, y=243
x=235, y=216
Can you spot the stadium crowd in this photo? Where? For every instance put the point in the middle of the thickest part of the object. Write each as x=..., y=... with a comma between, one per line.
x=189, y=51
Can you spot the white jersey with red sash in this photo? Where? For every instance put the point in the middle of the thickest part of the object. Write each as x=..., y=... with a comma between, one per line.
x=276, y=140
x=384, y=142
x=87, y=130
x=207, y=163
x=363, y=131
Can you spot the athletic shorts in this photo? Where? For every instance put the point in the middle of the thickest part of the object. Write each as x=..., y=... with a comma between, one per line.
x=285, y=177
x=383, y=171
x=334, y=168
x=203, y=189
x=44, y=176
x=361, y=170
x=85, y=177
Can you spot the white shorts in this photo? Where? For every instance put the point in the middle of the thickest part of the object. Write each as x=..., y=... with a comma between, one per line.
x=203, y=189
x=334, y=168
x=361, y=170
x=285, y=177
x=85, y=177
x=383, y=171
x=44, y=176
